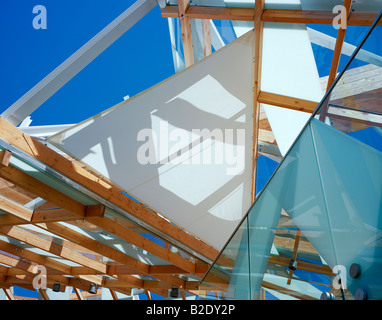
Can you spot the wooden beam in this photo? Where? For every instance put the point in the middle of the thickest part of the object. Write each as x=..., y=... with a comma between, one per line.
x=42, y=190
x=148, y=295
x=5, y=157
x=23, y=215
x=269, y=15
x=258, y=25
x=339, y=42
x=133, y=265
x=94, y=216
x=185, y=25
x=95, y=211
x=142, y=242
x=302, y=265
x=78, y=294
x=44, y=294
x=81, y=281
x=287, y=102
x=106, y=190
x=206, y=27
x=8, y=294
x=286, y=291
x=113, y=294
x=51, y=247
x=336, y=54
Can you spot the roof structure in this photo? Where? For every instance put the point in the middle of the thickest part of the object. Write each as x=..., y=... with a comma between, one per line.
x=145, y=199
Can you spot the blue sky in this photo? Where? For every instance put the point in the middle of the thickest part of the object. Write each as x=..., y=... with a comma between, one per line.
x=139, y=59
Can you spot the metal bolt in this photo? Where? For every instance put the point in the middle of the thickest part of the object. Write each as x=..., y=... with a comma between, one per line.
x=355, y=270
x=327, y=296
x=360, y=294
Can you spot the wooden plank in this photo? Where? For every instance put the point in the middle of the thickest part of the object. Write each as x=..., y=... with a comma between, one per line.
x=51, y=247
x=287, y=102
x=286, y=291
x=132, y=236
x=15, y=209
x=270, y=15
x=42, y=190
x=95, y=211
x=31, y=256
x=142, y=242
x=83, y=280
x=96, y=247
x=185, y=25
x=206, y=27
x=5, y=157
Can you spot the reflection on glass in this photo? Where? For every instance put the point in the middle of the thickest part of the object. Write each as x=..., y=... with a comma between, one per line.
x=318, y=217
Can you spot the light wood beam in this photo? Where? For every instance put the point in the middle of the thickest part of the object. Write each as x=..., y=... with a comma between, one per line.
x=185, y=25
x=345, y=13
x=8, y=294
x=135, y=266
x=29, y=183
x=78, y=294
x=142, y=242
x=5, y=157
x=44, y=294
x=269, y=15
x=24, y=215
x=287, y=102
x=81, y=281
x=302, y=265
x=148, y=294
x=42, y=190
x=113, y=294
x=51, y=247
x=258, y=25
x=206, y=27
x=336, y=54
x=292, y=293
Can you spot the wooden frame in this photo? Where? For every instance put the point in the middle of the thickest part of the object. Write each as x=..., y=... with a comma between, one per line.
x=269, y=15
x=123, y=272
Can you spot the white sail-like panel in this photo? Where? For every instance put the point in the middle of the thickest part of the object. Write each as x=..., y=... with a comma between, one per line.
x=184, y=146
x=288, y=69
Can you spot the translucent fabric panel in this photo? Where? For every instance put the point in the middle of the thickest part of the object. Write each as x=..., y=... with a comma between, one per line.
x=184, y=146
x=294, y=72
x=288, y=69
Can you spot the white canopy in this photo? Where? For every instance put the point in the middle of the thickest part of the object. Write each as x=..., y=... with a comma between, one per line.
x=183, y=147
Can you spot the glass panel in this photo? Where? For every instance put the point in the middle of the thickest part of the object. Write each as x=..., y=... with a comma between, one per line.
x=314, y=228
